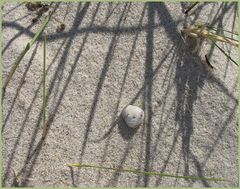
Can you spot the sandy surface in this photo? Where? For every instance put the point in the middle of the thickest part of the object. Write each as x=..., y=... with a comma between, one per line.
x=108, y=56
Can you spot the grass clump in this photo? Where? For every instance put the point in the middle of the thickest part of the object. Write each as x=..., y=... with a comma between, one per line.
x=203, y=31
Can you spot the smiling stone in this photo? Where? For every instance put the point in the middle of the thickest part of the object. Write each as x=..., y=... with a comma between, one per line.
x=133, y=116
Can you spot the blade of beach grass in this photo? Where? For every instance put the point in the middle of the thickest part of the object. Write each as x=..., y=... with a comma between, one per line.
x=28, y=46
x=44, y=126
x=229, y=57
x=215, y=29
x=138, y=171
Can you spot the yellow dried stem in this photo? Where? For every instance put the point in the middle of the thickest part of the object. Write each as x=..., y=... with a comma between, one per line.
x=199, y=32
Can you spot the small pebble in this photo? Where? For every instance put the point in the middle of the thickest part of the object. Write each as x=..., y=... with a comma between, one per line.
x=133, y=116
x=61, y=28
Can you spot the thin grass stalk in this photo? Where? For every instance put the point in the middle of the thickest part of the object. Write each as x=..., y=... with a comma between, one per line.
x=231, y=39
x=44, y=87
x=138, y=171
x=223, y=36
x=28, y=46
x=227, y=31
x=229, y=57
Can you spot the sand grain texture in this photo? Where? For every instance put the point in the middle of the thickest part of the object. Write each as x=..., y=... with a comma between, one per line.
x=108, y=56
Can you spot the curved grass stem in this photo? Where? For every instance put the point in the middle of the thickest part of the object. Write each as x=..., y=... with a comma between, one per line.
x=138, y=171
x=22, y=54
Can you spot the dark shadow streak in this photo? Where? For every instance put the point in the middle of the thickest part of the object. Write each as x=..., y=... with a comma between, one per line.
x=22, y=81
x=28, y=171
x=188, y=78
x=26, y=118
x=72, y=177
x=9, y=113
x=22, y=30
x=108, y=59
x=147, y=96
x=112, y=126
x=121, y=125
x=14, y=8
x=31, y=154
x=23, y=17
x=93, y=29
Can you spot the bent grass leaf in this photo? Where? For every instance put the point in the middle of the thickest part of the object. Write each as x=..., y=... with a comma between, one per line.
x=229, y=57
x=223, y=30
x=22, y=54
x=138, y=171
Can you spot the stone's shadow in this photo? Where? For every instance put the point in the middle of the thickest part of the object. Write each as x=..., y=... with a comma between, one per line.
x=126, y=132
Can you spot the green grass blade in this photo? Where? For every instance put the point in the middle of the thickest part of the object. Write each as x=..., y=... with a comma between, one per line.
x=138, y=171
x=28, y=46
x=44, y=86
x=13, y=69
x=223, y=30
x=229, y=57
x=40, y=30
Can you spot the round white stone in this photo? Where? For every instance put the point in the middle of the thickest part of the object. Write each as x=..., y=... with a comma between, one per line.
x=133, y=116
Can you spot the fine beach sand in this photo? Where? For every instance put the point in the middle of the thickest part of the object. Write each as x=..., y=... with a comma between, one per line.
x=110, y=55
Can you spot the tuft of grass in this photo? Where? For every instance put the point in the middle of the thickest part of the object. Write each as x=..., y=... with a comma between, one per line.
x=201, y=31
x=44, y=126
x=22, y=54
x=138, y=171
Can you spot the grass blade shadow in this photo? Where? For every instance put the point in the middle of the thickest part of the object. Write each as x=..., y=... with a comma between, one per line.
x=44, y=87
